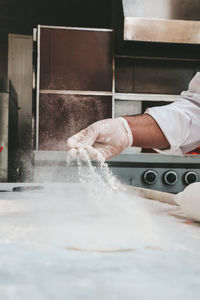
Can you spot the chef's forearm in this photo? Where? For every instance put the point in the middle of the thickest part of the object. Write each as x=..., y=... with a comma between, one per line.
x=146, y=132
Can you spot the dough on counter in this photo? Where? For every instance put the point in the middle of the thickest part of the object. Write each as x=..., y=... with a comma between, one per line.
x=189, y=201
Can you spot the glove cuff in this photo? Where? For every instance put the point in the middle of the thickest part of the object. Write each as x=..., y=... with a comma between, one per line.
x=129, y=133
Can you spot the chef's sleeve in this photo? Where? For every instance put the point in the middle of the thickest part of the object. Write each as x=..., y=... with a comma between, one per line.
x=180, y=120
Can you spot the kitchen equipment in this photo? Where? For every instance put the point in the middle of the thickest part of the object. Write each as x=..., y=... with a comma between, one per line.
x=173, y=21
x=8, y=131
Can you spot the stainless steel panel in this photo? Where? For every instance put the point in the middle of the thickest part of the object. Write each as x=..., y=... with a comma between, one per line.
x=172, y=21
x=63, y=115
x=165, y=9
x=50, y=166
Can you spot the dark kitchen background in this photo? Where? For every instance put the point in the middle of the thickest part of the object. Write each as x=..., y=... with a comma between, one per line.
x=21, y=16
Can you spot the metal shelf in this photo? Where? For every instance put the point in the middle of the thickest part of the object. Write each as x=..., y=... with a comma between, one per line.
x=145, y=97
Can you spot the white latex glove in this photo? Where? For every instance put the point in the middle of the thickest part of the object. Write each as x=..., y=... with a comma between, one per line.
x=102, y=140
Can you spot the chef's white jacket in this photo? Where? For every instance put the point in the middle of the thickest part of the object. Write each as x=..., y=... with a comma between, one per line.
x=180, y=120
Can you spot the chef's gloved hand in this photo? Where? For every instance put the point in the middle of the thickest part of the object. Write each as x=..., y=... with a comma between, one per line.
x=102, y=140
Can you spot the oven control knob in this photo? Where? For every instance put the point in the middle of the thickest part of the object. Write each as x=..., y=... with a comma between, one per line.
x=170, y=177
x=150, y=177
x=190, y=177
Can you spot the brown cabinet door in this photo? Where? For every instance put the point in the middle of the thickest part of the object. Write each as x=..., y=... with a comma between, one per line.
x=75, y=68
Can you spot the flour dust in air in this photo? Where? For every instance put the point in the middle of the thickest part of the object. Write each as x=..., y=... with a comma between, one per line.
x=97, y=178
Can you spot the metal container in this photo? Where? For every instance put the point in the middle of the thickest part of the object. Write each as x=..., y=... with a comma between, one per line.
x=8, y=131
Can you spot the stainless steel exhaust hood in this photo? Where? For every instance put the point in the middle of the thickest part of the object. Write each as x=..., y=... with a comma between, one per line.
x=171, y=21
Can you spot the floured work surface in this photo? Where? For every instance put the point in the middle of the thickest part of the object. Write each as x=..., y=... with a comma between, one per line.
x=62, y=243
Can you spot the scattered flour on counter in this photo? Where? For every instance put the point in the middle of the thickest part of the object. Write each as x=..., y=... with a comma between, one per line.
x=120, y=216
x=98, y=213
x=140, y=252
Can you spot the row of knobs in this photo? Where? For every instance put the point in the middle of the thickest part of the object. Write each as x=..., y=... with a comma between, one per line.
x=170, y=177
